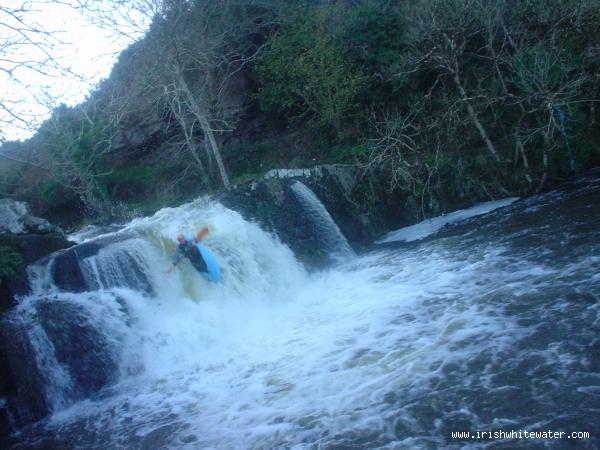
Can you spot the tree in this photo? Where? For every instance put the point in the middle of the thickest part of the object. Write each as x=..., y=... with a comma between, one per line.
x=308, y=70
x=444, y=40
x=530, y=45
x=494, y=75
x=188, y=65
x=75, y=142
x=26, y=49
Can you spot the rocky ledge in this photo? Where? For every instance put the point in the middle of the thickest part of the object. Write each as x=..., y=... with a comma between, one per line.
x=357, y=199
x=24, y=239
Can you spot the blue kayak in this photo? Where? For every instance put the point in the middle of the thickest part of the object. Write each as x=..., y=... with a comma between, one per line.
x=214, y=271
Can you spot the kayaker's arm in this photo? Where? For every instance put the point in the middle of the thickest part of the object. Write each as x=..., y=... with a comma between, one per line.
x=176, y=258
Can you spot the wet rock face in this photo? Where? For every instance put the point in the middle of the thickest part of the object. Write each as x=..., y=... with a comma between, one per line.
x=25, y=397
x=79, y=347
x=272, y=204
x=358, y=202
x=66, y=271
x=68, y=274
x=30, y=247
x=81, y=361
x=31, y=238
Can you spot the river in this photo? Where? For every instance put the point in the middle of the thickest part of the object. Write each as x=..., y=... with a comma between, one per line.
x=492, y=324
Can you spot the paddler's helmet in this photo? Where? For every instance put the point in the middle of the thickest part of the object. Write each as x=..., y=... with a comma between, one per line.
x=180, y=238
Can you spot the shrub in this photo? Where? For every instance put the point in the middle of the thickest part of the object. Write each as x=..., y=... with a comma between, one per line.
x=308, y=70
x=9, y=262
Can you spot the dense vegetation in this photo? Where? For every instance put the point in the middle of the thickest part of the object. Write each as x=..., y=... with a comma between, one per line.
x=452, y=101
x=9, y=262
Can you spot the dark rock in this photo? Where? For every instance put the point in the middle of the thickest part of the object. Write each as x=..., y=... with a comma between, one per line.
x=15, y=409
x=7, y=382
x=31, y=247
x=67, y=272
x=273, y=205
x=79, y=347
x=26, y=399
x=81, y=350
x=357, y=201
x=138, y=135
x=6, y=425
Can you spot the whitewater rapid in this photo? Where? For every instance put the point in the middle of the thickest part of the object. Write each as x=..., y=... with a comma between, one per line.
x=488, y=327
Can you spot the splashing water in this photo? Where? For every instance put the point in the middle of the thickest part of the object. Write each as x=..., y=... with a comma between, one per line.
x=494, y=325
x=333, y=240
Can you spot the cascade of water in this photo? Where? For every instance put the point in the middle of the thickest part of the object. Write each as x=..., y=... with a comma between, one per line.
x=489, y=326
x=124, y=264
x=82, y=342
x=326, y=229
x=51, y=386
x=64, y=347
x=40, y=278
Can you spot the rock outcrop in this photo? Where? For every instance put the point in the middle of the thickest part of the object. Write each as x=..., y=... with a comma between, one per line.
x=68, y=274
x=24, y=239
x=15, y=218
x=358, y=202
x=80, y=364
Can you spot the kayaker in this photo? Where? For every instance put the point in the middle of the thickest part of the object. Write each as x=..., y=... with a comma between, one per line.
x=187, y=247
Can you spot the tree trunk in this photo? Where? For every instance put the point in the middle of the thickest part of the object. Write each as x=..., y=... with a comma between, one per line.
x=205, y=125
x=544, y=161
x=473, y=116
x=520, y=149
x=191, y=144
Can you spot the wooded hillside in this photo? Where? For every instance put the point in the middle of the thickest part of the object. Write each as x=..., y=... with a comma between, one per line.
x=453, y=101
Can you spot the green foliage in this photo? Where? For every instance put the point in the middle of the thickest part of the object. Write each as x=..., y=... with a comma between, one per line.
x=9, y=262
x=132, y=181
x=71, y=134
x=307, y=69
x=138, y=189
x=246, y=177
x=75, y=142
x=374, y=33
x=50, y=199
x=416, y=89
x=243, y=159
x=353, y=153
x=540, y=70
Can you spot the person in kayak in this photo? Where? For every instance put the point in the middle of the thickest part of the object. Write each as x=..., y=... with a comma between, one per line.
x=187, y=247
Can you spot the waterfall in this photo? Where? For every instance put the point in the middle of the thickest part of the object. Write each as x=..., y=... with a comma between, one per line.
x=126, y=264
x=66, y=347
x=327, y=231
x=85, y=325
x=491, y=325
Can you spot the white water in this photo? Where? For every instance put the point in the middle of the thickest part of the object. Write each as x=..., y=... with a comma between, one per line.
x=430, y=226
x=393, y=349
x=326, y=229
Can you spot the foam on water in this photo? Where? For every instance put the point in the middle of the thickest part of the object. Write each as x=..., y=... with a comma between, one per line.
x=430, y=226
x=331, y=358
